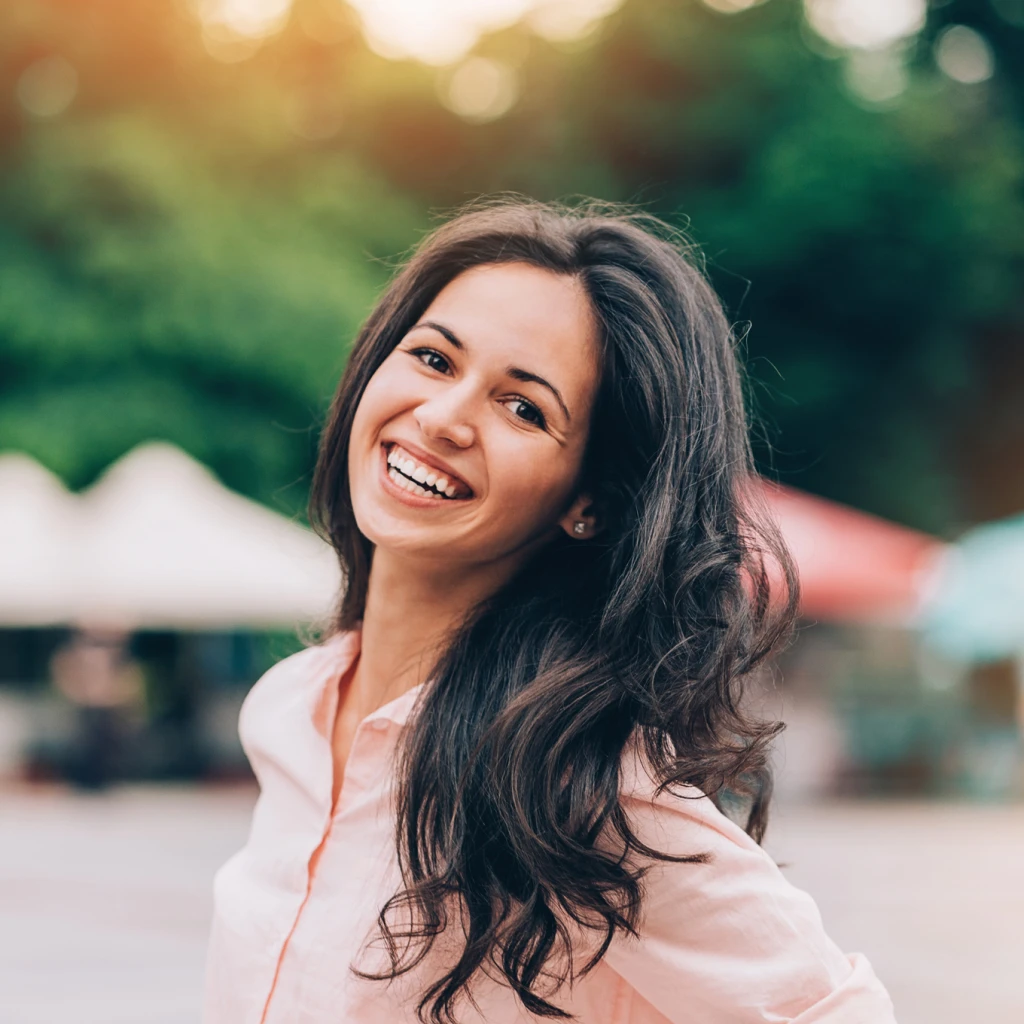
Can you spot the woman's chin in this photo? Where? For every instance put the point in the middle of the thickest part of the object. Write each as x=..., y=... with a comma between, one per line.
x=399, y=529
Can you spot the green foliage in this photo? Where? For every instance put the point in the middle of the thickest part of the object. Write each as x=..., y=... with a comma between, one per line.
x=147, y=295
x=868, y=247
x=189, y=249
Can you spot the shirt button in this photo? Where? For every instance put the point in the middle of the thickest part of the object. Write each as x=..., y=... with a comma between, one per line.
x=380, y=724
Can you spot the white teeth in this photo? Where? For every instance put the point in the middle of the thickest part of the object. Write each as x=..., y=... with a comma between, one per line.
x=407, y=485
x=405, y=470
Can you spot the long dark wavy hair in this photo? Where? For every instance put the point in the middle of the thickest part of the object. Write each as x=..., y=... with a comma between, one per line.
x=509, y=773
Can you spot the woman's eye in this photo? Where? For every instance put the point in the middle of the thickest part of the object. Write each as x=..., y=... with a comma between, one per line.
x=432, y=358
x=526, y=411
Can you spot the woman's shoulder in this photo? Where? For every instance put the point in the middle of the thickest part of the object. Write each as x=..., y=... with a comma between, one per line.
x=679, y=819
x=726, y=927
x=294, y=685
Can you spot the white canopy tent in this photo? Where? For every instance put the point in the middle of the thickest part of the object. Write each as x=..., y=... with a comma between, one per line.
x=157, y=542
x=38, y=528
x=166, y=545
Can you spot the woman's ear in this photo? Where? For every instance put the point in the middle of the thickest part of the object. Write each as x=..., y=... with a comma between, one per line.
x=581, y=521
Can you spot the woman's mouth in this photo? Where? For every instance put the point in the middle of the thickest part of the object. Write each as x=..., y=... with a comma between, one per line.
x=420, y=478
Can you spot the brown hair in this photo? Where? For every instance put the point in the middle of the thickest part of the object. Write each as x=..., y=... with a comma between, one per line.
x=510, y=770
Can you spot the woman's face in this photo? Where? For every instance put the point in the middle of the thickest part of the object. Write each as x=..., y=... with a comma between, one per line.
x=488, y=397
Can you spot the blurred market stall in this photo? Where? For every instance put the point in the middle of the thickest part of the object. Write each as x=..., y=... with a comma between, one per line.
x=147, y=602
x=972, y=621
x=854, y=567
x=38, y=519
x=973, y=609
x=159, y=543
x=165, y=545
x=156, y=543
x=159, y=573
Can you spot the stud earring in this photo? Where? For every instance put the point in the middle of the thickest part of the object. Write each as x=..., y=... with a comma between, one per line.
x=579, y=527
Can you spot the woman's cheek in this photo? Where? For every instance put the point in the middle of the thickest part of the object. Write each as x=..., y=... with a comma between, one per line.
x=535, y=487
x=382, y=396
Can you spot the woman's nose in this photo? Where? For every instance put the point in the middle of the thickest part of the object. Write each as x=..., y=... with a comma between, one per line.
x=448, y=417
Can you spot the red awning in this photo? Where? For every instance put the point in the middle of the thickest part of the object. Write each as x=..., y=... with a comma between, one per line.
x=854, y=567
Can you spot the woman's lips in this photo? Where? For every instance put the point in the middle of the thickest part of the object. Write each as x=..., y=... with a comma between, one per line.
x=416, y=472
x=407, y=491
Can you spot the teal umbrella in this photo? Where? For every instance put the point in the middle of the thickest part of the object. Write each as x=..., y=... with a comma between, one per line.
x=975, y=607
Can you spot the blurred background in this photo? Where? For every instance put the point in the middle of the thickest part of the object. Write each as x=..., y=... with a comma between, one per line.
x=199, y=202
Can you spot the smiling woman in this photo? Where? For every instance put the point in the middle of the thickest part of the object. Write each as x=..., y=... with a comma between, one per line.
x=496, y=793
x=469, y=395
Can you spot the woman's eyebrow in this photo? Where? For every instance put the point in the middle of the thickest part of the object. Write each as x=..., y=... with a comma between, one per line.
x=447, y=333
x=525, y=375
x=513, y=371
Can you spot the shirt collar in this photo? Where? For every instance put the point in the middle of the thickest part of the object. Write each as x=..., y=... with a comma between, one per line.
x=346, y=649
x=398, y=710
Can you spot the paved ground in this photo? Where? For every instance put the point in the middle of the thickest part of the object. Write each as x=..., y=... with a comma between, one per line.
x=104, y=901
x=932, y=893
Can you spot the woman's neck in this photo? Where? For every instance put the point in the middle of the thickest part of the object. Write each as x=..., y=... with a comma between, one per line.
x=410, y=611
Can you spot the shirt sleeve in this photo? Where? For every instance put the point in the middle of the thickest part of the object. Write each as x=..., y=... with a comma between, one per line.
x=730, y=940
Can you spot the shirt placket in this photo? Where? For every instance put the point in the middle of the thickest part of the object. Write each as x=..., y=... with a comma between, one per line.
x=370, y=732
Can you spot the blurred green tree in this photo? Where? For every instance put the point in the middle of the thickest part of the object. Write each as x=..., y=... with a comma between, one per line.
x=870, y=245
x=188, y=248
x=146, y=296
x=166, y=273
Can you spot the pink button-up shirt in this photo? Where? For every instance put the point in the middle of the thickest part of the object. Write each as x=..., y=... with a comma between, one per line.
x=725, y=942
